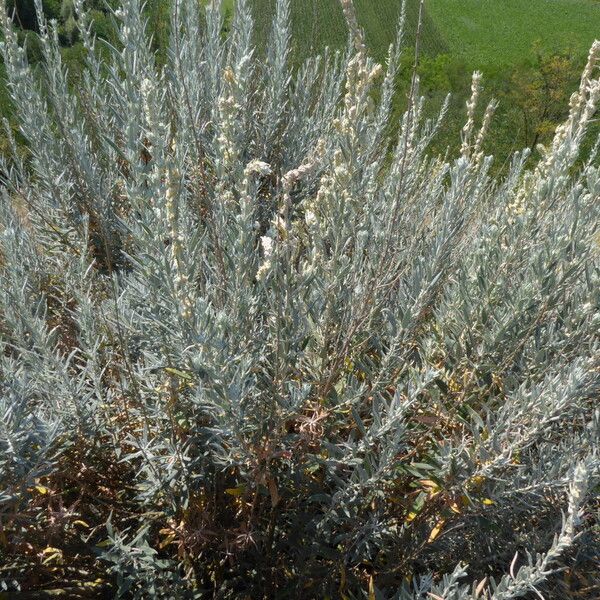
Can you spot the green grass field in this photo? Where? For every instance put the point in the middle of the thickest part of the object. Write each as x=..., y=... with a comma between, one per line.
x=502, y=32
x=484, y=33
x=320, y=23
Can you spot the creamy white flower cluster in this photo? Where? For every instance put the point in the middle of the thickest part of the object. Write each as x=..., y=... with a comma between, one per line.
x=228, y=113
x=177, y=241
x=583, y=104
x=474, y=148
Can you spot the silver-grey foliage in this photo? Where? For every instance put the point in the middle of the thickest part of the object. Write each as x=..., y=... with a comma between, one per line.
x=326, y=360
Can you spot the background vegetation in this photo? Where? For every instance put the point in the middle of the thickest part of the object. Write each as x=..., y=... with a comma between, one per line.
x=530, y=51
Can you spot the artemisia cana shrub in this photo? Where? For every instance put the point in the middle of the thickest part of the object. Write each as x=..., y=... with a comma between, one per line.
x=258, y=343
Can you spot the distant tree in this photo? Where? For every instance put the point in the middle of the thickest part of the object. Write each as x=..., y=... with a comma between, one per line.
x=540, y=94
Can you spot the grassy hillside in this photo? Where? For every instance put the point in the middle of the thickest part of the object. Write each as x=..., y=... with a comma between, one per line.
x=502, y=32
x=320, y=23
x=484, y=33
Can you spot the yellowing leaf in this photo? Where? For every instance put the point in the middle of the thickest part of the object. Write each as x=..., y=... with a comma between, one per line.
x=168, y=540
x=436, y=530
x=476, y=482
x=80, y=522
x=488, y=502
x=411, y=517
x=428, y=483
x=342, y=580
x=455, y=508
x=52, y=555
x=431, y=486
x=236, y=491
x=179, y=373
x=371, y=588
x=41, y=489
